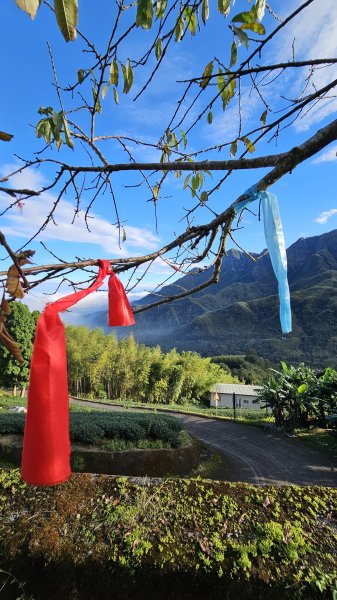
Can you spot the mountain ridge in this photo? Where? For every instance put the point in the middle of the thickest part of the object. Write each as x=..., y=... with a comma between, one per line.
x=241, y=312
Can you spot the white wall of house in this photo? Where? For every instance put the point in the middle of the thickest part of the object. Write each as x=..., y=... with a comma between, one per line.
x=241, y=401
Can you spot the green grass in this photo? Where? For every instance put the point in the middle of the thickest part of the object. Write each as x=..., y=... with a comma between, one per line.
x=243, y=415
x=322, y=439
x=7, y=401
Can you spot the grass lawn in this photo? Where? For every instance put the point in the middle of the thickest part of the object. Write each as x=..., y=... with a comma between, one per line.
x=243, y=415
x=322, y=439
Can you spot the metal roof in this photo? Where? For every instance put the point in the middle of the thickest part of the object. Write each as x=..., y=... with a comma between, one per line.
x=237, y=388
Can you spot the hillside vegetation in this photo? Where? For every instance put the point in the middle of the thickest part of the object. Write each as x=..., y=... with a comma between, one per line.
x=241, y=311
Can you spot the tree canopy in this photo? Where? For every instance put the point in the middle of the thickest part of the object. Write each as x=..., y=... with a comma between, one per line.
x=100, y=365
x=81, y=154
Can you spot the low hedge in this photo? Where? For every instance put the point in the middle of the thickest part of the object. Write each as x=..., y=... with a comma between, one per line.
x=109, y=537
x=89, y=428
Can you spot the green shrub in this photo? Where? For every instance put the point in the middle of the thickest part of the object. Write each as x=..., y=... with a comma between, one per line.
x=90, y=427
x=12, y=423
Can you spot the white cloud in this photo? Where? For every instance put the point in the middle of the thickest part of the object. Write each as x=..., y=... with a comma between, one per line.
x=328, y=156
x=102, y=233
x=313, y=32
x=225, y=125
x=325, y=215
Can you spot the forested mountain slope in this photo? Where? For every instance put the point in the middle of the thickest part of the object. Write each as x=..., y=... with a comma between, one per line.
x=241, y=311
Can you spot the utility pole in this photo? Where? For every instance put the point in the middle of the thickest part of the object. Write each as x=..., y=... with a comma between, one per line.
x=234, y=405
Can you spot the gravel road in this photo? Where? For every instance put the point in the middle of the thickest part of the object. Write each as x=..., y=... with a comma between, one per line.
x=255, y=455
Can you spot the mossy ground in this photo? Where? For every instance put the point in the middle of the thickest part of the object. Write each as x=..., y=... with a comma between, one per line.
x=107, y=537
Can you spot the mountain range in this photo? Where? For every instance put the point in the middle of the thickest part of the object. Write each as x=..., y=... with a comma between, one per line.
x=241, y=312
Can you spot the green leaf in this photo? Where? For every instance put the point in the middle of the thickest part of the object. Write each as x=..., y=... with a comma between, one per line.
x=243, y=37
x=116, y=95
x=234, y=54
x=249, y=145
x=256, y=27
x=175, y=143
x=203, y=197
x=144, y=13
x=128, y=76
x=43, y=129
x=302, y=388
x=184, y=138
x=29, y=6
x=114, y=73
x=48, y=110
x=206, y=75
x=224, y=7
x=244, y=17
x=57, y=121
x=210, y=117
x=105, y=90
x=66, y=12
x=160, y=8
x=228, y=92
x=158, y=48
x=186, y=182
x=5, y=137
x=80, y=75
x=179, y=29
x=284, y=367
x=205, y=11
x=177, y=174
x=67, y=133
x=233, y=148
x=163, y=157
x=221, y=81
x=260, y=6
x=155, y=191
x=263, y=117
x=124, y=235
x=191, y=19
x=97, y=104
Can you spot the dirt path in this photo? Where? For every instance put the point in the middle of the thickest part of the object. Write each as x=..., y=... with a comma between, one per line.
x=257, y=456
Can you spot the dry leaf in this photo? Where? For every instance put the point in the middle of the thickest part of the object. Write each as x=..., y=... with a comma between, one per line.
x=203, y=543
x=11, y=345
x=13, y=284
x=5, y=308
x=266, y=502
x=287, y=535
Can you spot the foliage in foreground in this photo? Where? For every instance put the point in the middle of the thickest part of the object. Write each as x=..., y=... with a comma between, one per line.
x=102, y=366
x=300, y=396
x=91, y=427
x=102, y=533
x=21, y=324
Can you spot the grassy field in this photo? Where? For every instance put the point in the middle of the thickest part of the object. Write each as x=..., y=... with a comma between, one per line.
x=243, y=415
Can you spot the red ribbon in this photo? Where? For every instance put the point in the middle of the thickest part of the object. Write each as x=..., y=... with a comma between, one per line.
x=46, y=446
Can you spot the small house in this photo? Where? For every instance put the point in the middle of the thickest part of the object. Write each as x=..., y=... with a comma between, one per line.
x=230, y=395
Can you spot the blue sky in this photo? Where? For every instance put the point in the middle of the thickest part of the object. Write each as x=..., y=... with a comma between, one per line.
x=307, y=197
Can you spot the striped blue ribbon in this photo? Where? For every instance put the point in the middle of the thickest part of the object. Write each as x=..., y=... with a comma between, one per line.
x=276, y=247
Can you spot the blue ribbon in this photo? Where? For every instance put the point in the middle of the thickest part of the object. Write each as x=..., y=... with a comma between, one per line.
x=276, y=246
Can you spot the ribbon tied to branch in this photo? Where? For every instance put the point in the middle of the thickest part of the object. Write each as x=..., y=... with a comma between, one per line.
x=46, y=449
x=276, y=247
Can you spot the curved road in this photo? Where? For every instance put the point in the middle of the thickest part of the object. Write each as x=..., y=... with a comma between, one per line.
x=256, y=456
